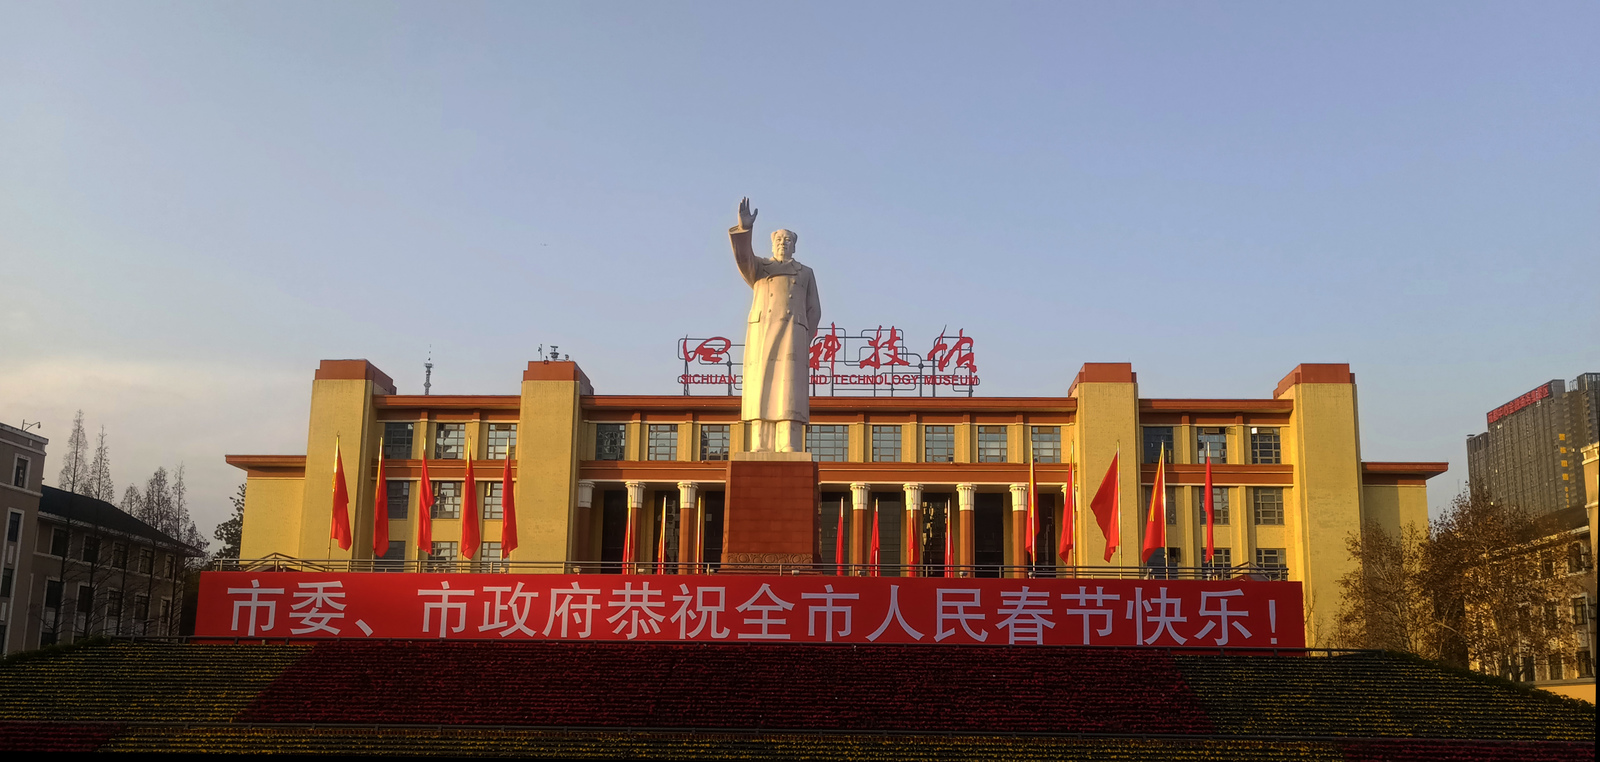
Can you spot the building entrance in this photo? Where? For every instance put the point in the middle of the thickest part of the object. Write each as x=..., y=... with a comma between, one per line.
x=936, y=517
x=613, y=529
x=712, y=503
x=988, y=534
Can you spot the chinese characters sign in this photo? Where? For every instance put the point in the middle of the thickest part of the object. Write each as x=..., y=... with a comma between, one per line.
x=1229, y=613
x=877, y=360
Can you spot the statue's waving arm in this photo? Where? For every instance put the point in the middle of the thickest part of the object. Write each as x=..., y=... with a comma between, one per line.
x=743, y=255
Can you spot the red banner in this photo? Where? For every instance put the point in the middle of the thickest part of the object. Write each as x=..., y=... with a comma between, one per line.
x=1232, y=613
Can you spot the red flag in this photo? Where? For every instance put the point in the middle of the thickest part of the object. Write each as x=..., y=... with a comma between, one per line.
x=1032, y=540
x=1211, y=509
x=341, y=501
x=949, y=546
x=838, y=542
x=661, y=544
x=1155, y=523
x=424, y=513
x=380, y=511
x=1107, y=507
x=1068, y=521
x=874, y=559
x=627, y=543
x=469, y=510
x=508, y=511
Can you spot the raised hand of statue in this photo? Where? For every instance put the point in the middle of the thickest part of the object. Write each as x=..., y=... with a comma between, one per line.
x=747, y=216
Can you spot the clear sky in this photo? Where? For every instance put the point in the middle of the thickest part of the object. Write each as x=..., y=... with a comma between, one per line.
x=199, y=201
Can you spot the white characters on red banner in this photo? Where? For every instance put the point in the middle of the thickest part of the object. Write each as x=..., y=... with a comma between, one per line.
x=1098, y=598
x=953, y=607
x=255, y=604
x=894, y=615
x=1027, y=613
x=309, y=609
x=637, y=610
x=704, y=611
x=444, y=607
x=828, y=609
x=565, y=606
x=508, y=601
x=766, y=621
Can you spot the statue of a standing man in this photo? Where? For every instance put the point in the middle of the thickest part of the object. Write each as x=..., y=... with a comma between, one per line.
x=783, y=319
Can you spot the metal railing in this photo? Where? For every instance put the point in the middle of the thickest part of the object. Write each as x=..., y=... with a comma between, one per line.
x=464, y=566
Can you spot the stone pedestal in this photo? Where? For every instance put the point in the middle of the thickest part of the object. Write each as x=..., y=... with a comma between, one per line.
x=771, y=511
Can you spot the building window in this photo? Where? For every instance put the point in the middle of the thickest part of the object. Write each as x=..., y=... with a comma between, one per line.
x=114, y=611
x=13, y=527
x=610, y=441
x=1580, y=611
x=1047, y=444
x=52, y=594
x=91, y=550
x=492, y=503
x=449, y=441
x=715, y=440
x=399, y=498
x=939, y=444
x=1555, y=666
x=1221, y=563
x=397, y=440
x=1272, y=562
x=1210, y=441
x=1268, y=505
x=119, y=555
x=59, y=540
x=1156, y=438
x=446, y=500
x=663, y=442
x=1264, y=447
x=1172, y=502
x=1219, y=505
x=1578, y=558
x=886, y=444
x=393, y=558
x=489, y=558
x=7, y=578
x=441, y=556
x=1585, y=664
x=19, y=475
x=502, y=441
x=83, y=607
x=147, y=560
x=169, y=566
x=992, y=444
x=830, y=443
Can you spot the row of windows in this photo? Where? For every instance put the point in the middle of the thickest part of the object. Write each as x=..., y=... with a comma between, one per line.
x=446, y=499
x=1266, y=504
x=449, y=441
x=19, y=473
x=831, y=442
x=442, y=556
x=1212, y=441
x=1557, y=667
x=91, y=551
x=109, y=622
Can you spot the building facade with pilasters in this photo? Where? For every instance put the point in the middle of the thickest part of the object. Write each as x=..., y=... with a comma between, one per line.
x=1289, y=483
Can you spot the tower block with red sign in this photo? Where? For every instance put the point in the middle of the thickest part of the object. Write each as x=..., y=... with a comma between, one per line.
x=772, y=504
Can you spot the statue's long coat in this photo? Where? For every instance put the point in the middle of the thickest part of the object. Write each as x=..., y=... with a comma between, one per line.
x=784, y=313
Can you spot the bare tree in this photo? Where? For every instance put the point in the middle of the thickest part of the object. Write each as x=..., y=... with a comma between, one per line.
x=75, y=462
x=100, y=486
x=1386, y=602
x=132, y=502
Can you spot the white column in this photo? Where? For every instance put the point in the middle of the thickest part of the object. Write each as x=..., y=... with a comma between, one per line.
x=859, y=495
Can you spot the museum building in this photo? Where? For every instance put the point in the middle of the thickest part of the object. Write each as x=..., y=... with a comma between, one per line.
x=930, y=472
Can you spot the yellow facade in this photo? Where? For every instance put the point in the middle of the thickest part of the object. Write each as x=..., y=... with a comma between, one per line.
x=569, y=496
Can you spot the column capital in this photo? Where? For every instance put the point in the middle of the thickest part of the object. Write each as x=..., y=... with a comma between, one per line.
x=585, y=493
x=1019, y=497
x=635, y=494
x=964, y=495
x=913, y=492
x=687, y=492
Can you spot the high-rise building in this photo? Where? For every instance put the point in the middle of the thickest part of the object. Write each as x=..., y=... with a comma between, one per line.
x=1529, y=456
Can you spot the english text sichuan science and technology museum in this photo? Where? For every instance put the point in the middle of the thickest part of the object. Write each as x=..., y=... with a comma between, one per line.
x=922, y=479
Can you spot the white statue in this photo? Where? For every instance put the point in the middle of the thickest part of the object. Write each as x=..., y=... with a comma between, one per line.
x=784, y=313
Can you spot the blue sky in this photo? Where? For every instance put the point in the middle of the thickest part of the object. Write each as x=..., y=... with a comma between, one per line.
x=200, y=201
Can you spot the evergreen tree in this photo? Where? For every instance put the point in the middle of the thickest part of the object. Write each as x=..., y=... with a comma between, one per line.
x=231, y=532
x=75, y=463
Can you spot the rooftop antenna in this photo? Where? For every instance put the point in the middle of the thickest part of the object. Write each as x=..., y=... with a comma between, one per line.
x=554, y=355
x=34, y=425
x=427, y=377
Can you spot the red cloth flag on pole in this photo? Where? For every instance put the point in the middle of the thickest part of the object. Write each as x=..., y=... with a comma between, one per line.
x=508, y=511
x=874, y=559
x=838, y=543
x=425, y=513
x=1211, y=509
x=949, y=545
x=1031, y=541
x=341, y=501
x=1155, y=523
x=661, y=545
x=380, y=510
x=627, y=540
x=469, y=509
x=1068, y=521
x=1107, y=507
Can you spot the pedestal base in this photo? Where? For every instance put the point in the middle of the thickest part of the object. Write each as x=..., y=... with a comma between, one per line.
x=771, y=511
